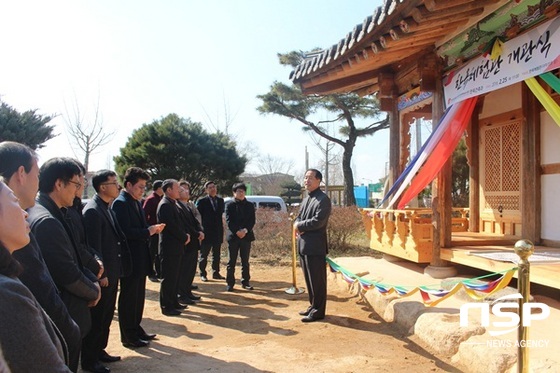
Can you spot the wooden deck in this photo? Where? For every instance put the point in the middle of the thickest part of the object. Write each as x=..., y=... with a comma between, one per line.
x=465, y=244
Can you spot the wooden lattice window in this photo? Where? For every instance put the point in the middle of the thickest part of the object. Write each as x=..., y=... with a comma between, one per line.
x=502, y=166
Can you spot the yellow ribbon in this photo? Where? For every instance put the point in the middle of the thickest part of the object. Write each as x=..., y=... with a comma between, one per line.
x=496, y=49
x=549, y=104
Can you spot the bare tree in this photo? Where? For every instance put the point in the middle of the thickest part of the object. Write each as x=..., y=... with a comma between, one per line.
x=86, y=134
x=224, y=119
x=330, y=157
x=274, y=171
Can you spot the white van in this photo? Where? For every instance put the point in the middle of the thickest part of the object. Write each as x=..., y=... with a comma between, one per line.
x=265, y=202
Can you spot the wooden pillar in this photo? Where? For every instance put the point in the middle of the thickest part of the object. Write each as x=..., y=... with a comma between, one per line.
x=441, y=191
x=530, y=167
x=473, y=157
x=388, y=103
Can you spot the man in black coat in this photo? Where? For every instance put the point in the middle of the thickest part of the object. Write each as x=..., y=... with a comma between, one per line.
x=150, y=209
x=240, y=219
x=131, y=219
x=106, y=238
x=18, y=167
x=58, y=181
x=211, y=209
x=172, y=243
x=311, y=229
x=195, y=230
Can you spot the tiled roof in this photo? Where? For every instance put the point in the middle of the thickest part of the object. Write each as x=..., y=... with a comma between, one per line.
x=395, y=31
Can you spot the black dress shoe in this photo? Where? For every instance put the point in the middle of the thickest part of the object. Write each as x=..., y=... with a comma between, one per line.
x=311, y=318
x=194, y=287
x=170, y=312
x=203, y=278
x=186, y=300
x=247, y=287
x=304, y=313
x=96, y=367
x=179, y=306
x=153, y=279
x=193, y=297
x=106, y=358
x=148, y=337
x=229, y=288
x=135, y=344
x=218, y=277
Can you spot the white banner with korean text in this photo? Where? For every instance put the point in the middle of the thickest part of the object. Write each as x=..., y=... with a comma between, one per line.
x=533, y=53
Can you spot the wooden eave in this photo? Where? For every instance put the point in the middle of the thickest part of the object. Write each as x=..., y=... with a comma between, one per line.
x=398, y=31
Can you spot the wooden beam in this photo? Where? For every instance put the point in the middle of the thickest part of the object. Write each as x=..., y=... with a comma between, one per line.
x=473, y=158
x=427, y=67
x=435, y=5
x=441, y=192
x=386, y=82
x=394, y=142
x=417, y=40
x=550, y=169
x=356, y=81
x=369, y=90
x=411, y=26
x=530, y=167
x=421, y=14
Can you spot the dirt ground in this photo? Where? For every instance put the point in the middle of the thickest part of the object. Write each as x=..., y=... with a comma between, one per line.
x=260, y=331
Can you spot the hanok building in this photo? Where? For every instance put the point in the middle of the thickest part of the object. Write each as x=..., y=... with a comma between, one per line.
x=484, y=61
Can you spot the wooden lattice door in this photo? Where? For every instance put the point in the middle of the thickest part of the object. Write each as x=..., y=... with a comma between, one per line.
x=500, y=178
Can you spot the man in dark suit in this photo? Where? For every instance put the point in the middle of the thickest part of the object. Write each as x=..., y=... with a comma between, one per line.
x=18, y=167
x=240, y=219
x=150, y=209
x=194, y=229
x=75, y=219
x=311, y=229
x=131, y=219
x=211, y=209
x=172, y=243
x=106, y=238
x=58, y=181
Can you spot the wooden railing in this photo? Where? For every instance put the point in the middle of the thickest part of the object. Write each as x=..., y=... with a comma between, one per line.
x=407, y=233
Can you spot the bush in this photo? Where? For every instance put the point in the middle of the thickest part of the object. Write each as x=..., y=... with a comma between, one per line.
x=345, y=227
x=273, y=235
x=273, y=238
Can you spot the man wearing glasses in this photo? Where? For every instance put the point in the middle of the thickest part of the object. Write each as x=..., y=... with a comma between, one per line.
x=79, y=287
x=105, y=236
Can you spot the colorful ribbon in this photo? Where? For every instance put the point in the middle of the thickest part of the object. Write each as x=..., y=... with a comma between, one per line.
x=442, y=151
x=551, y=80
x=428, y=291
x=547, y=102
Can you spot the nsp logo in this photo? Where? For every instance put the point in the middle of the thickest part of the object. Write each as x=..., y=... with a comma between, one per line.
x=498, y=307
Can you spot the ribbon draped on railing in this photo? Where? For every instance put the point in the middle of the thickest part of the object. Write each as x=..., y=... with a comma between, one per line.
x=471, y=287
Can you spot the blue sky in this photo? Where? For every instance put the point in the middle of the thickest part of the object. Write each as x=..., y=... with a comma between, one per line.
x=146, y=59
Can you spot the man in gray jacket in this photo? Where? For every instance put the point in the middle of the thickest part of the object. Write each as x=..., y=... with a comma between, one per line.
x=311, y=229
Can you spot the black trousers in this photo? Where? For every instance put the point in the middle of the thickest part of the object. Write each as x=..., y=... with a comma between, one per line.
x=131, y=307
x=238, y=248
x=205, y=250
x=170, y=269
x=187, y=272
x=155, y=267
x=315, y=272
x=101, y=316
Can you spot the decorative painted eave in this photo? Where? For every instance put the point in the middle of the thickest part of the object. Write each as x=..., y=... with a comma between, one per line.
x=397, y=32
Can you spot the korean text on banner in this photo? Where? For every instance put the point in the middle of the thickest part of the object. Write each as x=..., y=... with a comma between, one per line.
x=528, y=55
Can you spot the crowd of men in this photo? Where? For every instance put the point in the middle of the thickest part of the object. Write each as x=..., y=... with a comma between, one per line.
x=81, y=258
